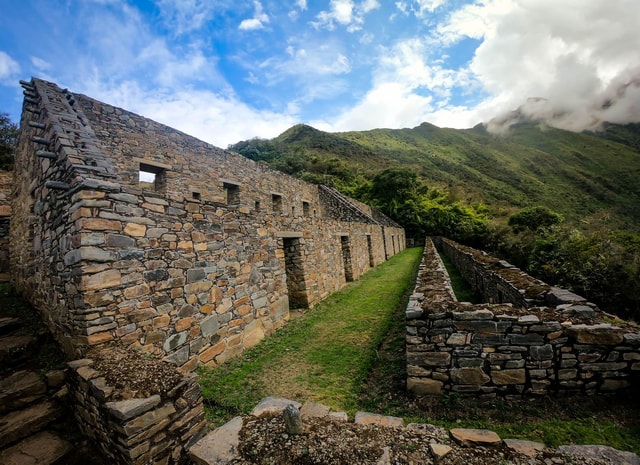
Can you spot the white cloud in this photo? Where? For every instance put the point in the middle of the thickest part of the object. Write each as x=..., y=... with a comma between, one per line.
x=9, y=69
x=574, y=55
x=387, y=105
x=185, y=16
x=260, y=18
x=345, y=13
x=40, y=64
x=220, y=119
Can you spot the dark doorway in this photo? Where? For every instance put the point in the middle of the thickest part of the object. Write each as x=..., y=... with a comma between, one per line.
x=346, y=258
x=370, y=250
x=296, y=285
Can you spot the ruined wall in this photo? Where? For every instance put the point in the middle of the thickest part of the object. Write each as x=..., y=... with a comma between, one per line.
x=6, y=181
x=503, y=349
x=156, y=428
x=193, y=268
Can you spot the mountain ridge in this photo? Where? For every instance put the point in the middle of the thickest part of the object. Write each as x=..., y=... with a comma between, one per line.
x=581, y=175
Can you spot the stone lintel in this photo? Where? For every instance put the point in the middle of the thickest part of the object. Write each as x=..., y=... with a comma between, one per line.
x=289, y=234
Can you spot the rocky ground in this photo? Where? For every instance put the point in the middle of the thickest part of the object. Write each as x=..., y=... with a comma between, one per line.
x=264, y=438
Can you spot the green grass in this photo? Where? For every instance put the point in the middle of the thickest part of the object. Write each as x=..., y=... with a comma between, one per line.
x=325, y=355
x=461, y=287
x=348, y=353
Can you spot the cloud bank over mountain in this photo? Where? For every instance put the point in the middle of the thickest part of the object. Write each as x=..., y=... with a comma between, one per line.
x=224, y=70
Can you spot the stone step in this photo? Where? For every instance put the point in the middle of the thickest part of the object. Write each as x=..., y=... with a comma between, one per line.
x=43, y=448
x=15, y=349
x=19, y=424
x=9, y=324
x=20, y=389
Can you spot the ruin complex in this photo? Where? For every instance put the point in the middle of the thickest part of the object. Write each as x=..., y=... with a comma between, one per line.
x=123, y=229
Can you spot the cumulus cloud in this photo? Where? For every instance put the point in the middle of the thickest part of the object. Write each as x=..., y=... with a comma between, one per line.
x=345, y=13
x=9, y=68
x=260, y=18
x=576, y=61
x=184, y=16
x=215, y=117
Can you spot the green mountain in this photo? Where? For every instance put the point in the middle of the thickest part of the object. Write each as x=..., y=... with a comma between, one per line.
x=584, y=176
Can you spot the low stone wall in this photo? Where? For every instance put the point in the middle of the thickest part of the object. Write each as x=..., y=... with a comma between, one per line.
x=6, y=179
x=156, y=429
x=504, y=349
x=499, y=281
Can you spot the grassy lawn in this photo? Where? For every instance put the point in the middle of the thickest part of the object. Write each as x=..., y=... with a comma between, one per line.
x=324, y=355
x=348, y=353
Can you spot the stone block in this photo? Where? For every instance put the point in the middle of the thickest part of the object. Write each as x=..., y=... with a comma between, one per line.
x=604, y=334
x=424, y=386
x=148, y=419
x=544, y=352
x=175, y=340
x=127, y=409
x=218, y=447
x=272, y=405
x=528, y=448
x=432, y=359
x=475, y=376
x=507, y=377
x=365, y=418
x=475, y=437
x=102, y=280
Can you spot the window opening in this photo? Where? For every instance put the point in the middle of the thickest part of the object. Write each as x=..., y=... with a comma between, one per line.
x=151, y=177
x=305, y=208
x=276, y=202
x=231, y=193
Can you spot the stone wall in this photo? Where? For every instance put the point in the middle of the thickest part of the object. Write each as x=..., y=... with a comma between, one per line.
x=193, y=267
x=511, y=350
x=498, y=281
x=6, y=180
x=156, y=429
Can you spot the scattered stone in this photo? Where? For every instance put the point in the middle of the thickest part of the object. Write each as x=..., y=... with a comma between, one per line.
x=604, y=453
x=475, y=437
x=385, y=459
x=292, y=420
x=366, y=418
x=272, y=405
x=314, y=410
x=528, y=448
x=219, y=447
x=439, y=451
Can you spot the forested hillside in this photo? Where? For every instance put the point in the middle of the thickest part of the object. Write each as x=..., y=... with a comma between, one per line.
x=563, y=205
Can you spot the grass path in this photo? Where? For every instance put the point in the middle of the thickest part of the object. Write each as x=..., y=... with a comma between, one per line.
x=325, y=354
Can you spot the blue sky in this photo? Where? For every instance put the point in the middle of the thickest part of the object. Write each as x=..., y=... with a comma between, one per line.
x=228, y=70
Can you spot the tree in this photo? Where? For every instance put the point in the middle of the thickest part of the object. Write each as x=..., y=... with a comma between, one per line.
x=534, y=219
x=8, y=141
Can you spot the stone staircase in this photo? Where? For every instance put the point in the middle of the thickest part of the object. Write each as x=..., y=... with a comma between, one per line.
x=36, y=424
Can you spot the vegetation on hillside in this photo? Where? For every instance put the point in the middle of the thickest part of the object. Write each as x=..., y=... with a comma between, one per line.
x=562, y=205
x=8, y=141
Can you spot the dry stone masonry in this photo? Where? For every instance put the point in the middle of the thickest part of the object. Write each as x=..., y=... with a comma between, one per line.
x=126, y=230
x=125, y=233
x=532, y=339
x=6, y=180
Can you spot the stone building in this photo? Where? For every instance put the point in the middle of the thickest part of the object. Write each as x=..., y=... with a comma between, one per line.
x=125, y=229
